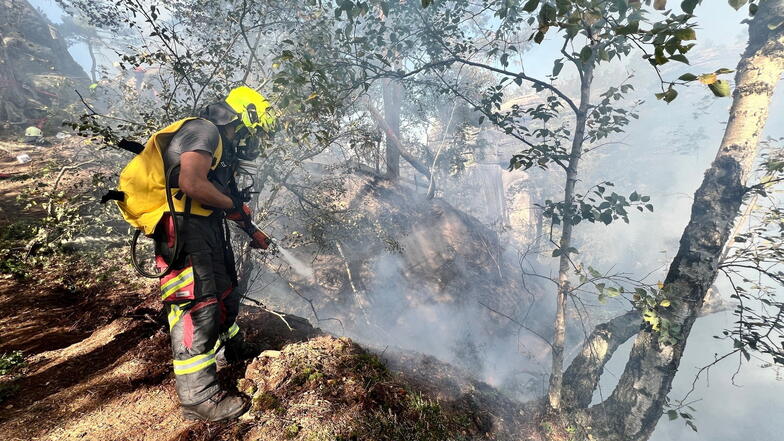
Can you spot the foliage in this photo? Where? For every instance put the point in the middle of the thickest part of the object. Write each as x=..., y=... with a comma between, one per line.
x=10, y=361
x=324, y=64
x=595, y=206
x=687, y=417
x=753, y=267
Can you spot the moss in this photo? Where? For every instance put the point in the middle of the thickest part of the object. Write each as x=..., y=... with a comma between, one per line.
x=419, y=418
x=265, y=401
x=372, y=361
x=291, y=431
x=307, y=374
x=246, y=386
x=325, y=434
x=422, y=406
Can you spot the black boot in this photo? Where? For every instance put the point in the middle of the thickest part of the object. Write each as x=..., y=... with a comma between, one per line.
x=237, y=349
x=219, y=407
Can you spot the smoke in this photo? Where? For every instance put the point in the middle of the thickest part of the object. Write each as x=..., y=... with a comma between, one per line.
x=664, y=155
x=462, y=333
x=298, y=266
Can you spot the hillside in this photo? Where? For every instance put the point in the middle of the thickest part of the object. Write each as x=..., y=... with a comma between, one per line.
x=94, y=361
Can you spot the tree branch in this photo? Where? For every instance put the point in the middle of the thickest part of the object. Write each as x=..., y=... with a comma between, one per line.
x=421, y=168
x=582, y=376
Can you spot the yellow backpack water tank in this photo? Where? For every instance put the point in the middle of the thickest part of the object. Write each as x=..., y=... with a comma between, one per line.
x=143, y=183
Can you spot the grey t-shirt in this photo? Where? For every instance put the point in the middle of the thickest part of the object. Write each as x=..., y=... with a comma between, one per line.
x=194, y=135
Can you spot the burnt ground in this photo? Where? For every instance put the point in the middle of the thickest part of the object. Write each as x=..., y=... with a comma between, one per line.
x=99, y=369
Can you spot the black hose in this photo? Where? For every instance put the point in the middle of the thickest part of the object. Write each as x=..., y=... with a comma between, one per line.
x=176, y=252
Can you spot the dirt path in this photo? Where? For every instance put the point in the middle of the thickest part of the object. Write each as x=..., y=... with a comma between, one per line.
x=111, y=381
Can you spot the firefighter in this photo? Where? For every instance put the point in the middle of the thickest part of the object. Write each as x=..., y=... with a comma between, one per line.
x=180, y=189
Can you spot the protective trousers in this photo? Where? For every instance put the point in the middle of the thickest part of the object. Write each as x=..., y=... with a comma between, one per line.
x=199, y=299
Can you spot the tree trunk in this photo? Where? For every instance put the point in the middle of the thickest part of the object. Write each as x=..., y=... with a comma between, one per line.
x=559, y=336
x=634, y=408
x=392, y=105
x=583, y=374
x=391, y=137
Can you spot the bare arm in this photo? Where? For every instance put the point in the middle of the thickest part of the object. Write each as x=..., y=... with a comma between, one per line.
x=194, y=167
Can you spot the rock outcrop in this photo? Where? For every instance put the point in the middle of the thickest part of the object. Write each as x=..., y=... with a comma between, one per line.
x=37, y=74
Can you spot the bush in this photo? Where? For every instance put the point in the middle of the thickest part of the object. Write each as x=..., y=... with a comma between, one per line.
x=10, y=361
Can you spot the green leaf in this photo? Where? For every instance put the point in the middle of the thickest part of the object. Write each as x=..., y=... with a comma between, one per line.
x=556, y=252
x=665, y=303
x=720, y=88
x=680, y=57
x=737, y=4
x=548, y=13
x=630, y=28
x=585, y=53
x=688, y=5
x=504, y=59
x=723, y=70
x=668, y=96
x=557, y=66
x=531, y=6
x=774, y=26
x=622, y=6
x=687, y=77
x=687, y=34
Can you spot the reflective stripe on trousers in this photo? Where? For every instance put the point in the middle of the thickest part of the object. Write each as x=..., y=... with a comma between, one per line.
x=182, y=312
x=201, y=305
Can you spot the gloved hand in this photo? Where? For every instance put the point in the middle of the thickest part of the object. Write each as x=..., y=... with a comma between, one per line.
x=242, y=216
x=259, y=240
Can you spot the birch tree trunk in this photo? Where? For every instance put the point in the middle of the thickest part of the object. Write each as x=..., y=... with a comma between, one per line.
x=634, y=408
